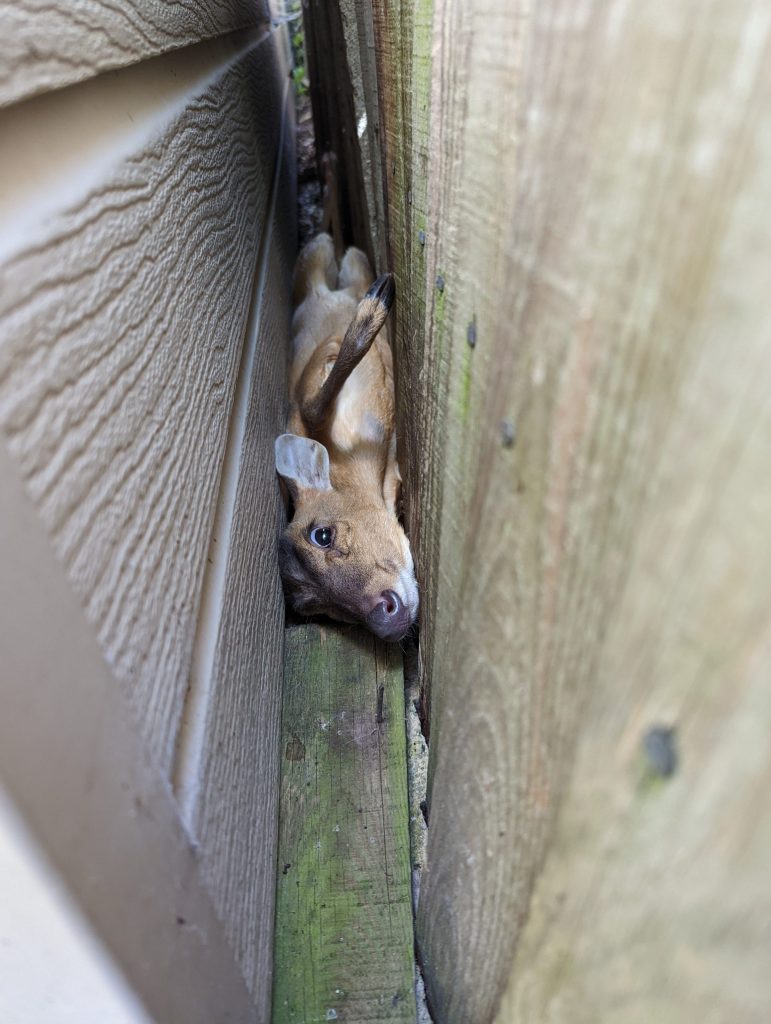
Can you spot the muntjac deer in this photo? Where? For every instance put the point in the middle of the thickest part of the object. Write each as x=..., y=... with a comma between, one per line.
x=344, y=554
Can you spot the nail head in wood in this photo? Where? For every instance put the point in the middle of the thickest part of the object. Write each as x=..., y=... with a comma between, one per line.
x=660, y=747
x=471, y=333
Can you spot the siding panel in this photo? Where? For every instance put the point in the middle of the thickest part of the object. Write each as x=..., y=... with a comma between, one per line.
x=121, y=329
x=46, y=45
x=75, y=767
x=230, y=796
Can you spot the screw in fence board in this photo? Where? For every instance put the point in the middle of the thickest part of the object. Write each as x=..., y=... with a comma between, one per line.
x=344, y=935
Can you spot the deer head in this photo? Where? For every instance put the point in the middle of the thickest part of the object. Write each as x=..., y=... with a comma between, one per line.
x=344, y=554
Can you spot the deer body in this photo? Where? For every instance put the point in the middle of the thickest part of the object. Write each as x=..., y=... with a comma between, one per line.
x=344, y=554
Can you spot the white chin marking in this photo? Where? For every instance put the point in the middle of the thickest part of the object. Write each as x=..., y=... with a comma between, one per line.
x=409, y=590
x=407, y=552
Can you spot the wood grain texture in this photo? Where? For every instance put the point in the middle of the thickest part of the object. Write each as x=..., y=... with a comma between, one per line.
x=335, y=116
x=235, y=814
x=402, y=54
x=73, y=762
x=583, y=371
x=344, y=945
x=358, y=41
x=122, y=326
x=46, y=45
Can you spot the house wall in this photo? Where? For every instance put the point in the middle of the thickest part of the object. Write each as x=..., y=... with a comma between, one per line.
x=147, y=211
x=41, y=924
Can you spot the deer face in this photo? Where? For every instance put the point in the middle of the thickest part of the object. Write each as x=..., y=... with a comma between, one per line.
x=344, y=554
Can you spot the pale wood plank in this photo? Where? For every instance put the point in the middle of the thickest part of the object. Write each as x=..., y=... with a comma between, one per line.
x=582, y=366
x=344, y=916
x=122, y=325
x=46, y=45
x=654, y=902
x=74, y=764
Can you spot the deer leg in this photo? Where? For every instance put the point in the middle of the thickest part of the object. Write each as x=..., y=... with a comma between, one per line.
x=369, y=317
x=315, y=270
x=330, y=219
x=355, y=273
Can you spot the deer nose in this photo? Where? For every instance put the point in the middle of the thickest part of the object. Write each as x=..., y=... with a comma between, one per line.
x=389, y=619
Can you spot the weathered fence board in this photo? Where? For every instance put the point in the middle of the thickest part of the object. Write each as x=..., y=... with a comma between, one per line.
x=358, y=34
x=123, y=320
x=578, y=223
x=336, y=117
x=344, y=916
x=46, y=46
x=402, y=34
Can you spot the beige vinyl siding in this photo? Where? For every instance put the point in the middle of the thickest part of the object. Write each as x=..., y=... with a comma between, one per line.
x=146, y=243
x=45, y=45
x=53, y=968
x=124, y=319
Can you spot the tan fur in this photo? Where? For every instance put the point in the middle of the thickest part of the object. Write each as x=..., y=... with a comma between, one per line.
x=370, y=556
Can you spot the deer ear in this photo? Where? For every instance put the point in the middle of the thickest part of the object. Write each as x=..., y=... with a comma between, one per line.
x=302, y=463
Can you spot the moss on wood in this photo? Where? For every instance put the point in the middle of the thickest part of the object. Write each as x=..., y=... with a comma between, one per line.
x=344, y=937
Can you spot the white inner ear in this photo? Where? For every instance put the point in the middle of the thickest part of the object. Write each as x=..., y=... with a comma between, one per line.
x=303, y=462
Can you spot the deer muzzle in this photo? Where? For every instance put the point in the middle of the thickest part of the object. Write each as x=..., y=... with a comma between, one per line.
x=390, y=619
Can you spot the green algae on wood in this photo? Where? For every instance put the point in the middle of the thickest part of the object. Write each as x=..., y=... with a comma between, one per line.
x=343, y=937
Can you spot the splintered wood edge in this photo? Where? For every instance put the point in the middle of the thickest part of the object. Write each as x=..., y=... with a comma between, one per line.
x=344, y=930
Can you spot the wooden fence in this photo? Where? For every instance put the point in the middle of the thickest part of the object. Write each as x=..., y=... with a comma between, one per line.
x=577, y=205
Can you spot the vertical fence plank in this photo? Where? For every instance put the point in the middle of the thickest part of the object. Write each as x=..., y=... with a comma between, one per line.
x=335, y=117
x=577, y=218
x=402, y=41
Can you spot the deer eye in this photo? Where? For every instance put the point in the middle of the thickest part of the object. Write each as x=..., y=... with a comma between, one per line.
x=321, y=536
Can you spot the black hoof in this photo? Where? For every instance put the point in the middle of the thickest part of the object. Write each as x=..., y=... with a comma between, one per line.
x=384, y=290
